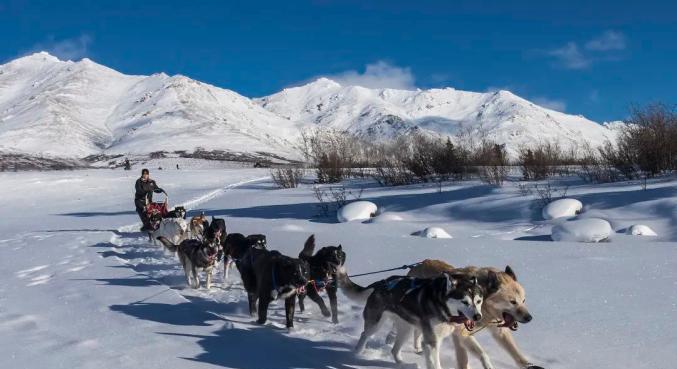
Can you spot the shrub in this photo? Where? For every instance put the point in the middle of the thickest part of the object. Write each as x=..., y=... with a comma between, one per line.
x=650, y=139
x=287, y=177
x=494, y=165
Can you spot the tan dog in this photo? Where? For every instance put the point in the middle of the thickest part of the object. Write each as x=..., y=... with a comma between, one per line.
x=198, y=225
x=501, y=311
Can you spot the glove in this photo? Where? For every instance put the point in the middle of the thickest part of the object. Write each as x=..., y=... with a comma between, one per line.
x=158, y=190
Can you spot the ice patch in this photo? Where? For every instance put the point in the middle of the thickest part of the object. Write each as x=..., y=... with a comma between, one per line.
x=640, y=230
x=582, y=230
x=562, y=208
x=358, y=210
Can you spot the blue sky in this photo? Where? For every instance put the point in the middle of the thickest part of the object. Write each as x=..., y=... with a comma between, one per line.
x=591, y=59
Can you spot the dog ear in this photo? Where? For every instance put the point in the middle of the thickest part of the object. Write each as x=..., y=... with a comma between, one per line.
x=510, y=272
x=452, y=280
x=492, y=283
x=308, y=247
x=340, y=247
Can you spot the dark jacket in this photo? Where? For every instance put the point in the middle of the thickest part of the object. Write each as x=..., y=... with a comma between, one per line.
x=144, y=191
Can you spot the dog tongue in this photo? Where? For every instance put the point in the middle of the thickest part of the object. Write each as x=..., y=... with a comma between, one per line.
x=469, y=324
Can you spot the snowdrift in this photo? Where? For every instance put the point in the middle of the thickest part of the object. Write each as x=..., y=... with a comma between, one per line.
x=386, y=218
x=433, y=232
x=582, y=230
x=562, y=208
x=358, y=210
x=640, y=230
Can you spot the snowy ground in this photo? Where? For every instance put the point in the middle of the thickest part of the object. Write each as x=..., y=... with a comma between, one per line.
x=83, y=289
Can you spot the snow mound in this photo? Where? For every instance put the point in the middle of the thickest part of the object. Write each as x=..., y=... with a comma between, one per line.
x=562, y=208
x=582, y=230
x=386, y=218
x=640, y=230
x=433, y=232
x=358, y=210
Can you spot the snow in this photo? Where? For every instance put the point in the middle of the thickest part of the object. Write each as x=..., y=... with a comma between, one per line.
x=640, y=230
x=582, y=230
x=562, y=208
x=83, y=288
x=433, y=232
x=45, y=101
x=386, y=217
x=388, y=113
x=357, y=210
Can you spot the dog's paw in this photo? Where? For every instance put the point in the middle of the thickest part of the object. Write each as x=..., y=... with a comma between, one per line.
x=335, y=321
x=261, y=321
x=532, y=366
x=326, y=313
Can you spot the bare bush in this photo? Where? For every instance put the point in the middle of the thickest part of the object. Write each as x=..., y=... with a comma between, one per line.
x=392, y=173
x=548, y=192
x=333, y=154
x=541, y=161
x=494, y=165
x=332, y=198
x=287, y=177
x=650, y=139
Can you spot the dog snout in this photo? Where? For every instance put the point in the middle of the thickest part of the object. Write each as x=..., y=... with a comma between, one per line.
x=477, y=317
x=527, y=318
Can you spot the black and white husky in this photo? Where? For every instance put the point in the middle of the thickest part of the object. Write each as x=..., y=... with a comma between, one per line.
x=194, y=255
x=417, y=303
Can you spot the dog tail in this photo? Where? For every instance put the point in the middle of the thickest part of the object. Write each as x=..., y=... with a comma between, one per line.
x=308, y=247
x=168, y=244
x=351, y=289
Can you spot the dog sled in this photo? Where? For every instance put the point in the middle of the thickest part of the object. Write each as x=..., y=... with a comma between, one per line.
x=157, y=209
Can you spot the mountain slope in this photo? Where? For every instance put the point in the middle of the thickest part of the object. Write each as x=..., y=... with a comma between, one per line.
x=384, y=113
x=75, y=109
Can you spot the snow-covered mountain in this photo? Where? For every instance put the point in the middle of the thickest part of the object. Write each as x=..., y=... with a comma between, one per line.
x=75, y=109
x=384, y=113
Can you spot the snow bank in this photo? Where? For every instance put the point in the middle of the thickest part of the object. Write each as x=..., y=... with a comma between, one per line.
x=562, y=208
x=386, y=218
x=358, y=210
x=582, y=230
x=433, y=232
x=640, y=230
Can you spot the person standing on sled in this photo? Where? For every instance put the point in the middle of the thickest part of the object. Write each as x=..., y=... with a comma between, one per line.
x=144, y=195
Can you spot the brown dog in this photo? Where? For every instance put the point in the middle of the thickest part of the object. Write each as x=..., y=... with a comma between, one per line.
x=501, y=311
x=198, y=225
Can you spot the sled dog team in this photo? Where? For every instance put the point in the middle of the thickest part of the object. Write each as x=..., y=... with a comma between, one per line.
x=433, y=301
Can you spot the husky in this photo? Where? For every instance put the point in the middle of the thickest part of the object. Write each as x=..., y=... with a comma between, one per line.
x=194, y=254
x=323, y=268
x=269, y=275
x=417, y=303
x=173, y=229
x=502, y=311
x=178, y=212
x=198, y=225
x=236, y=246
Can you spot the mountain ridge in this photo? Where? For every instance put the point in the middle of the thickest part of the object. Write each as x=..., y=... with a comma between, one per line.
x=75, y=109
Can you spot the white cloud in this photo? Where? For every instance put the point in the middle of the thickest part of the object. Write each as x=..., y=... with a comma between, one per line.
x=570, y=56
x=66, y=49
x=378, y=75
x=603, y=48
x=609, y=40
x=558, y=105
